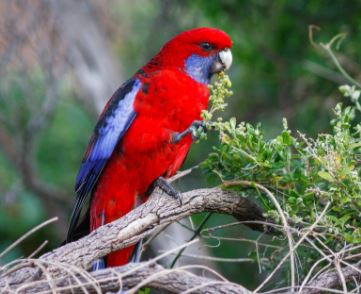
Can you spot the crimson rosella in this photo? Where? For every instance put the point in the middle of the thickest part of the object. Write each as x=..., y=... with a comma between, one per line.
x=145, y=131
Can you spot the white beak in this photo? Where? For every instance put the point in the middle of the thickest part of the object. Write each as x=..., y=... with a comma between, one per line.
x=225, y=57
x=222, y=62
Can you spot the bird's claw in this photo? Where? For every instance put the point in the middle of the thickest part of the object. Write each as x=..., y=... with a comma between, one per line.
x=193, y=129
x=195, y=126
x=163, y=184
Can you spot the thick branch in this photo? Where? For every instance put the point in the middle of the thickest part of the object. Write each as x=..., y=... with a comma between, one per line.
x=159, y=210
x=131, y=275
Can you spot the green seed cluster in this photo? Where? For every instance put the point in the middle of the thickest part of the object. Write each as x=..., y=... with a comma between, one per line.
x=219, y=91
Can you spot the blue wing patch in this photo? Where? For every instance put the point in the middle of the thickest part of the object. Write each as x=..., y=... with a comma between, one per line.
x=111, y=127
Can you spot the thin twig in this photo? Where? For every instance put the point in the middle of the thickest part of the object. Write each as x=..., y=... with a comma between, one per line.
x=284, y=222
x=23, y=237
x=294, y=248
x=196, y=233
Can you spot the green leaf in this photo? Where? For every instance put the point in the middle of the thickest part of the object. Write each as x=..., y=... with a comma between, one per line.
x=326, y=176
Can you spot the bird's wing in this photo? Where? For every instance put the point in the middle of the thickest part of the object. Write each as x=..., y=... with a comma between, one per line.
x=113, y=123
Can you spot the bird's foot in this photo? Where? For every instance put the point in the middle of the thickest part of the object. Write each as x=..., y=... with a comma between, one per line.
x=163, y=184
x=193, y=129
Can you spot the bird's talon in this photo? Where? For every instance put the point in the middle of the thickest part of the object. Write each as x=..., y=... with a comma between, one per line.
x=199, y=124
x=177, y=137
x=163, y=184
x=195, y=126
x=177, y=196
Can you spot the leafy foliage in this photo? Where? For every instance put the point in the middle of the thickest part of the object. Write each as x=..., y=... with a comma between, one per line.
x=303, y=173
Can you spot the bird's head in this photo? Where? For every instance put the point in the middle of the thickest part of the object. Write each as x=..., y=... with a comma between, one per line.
x=199, y=52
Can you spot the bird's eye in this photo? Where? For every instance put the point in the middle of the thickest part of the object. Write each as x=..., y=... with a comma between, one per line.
x=206, y=46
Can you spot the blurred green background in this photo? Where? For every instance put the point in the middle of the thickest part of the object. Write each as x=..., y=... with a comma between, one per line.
x=61, y=60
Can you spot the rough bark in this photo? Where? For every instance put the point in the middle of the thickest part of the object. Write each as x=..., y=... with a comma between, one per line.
x=159, y=210
x=66, y=266
x=131, y=275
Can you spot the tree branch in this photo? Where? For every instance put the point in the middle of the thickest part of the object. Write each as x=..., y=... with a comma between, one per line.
x=330, y=279
x=64, y=268
x=159, y=210
x=131, y=275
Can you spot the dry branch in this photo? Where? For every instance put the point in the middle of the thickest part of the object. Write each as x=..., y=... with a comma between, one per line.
x=331, y=279
x=131, y=275
x=64, y=268
x=159, y=210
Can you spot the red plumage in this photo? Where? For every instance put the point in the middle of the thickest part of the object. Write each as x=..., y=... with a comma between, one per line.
x=168, y=101
x=146, y=151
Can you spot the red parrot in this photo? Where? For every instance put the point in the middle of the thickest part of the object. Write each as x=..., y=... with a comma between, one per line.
x=145, y=131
